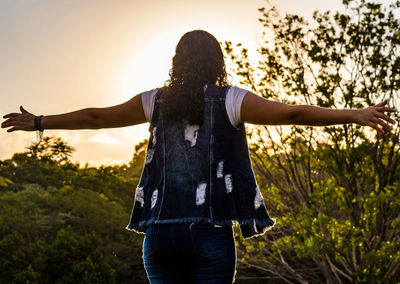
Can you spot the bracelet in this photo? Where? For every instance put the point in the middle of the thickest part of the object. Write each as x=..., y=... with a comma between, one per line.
x=38, y=123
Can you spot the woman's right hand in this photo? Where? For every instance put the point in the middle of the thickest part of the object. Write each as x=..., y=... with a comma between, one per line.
x=19, y=121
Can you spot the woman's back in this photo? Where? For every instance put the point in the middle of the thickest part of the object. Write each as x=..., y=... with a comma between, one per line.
x=199, y=172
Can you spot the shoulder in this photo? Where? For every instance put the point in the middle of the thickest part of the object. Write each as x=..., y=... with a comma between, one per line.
x=148, y=98
x=149, y=94
x=233, y=103
x=235, y=92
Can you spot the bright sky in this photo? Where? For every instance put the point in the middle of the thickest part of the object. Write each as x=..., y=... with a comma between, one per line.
x=59, y=56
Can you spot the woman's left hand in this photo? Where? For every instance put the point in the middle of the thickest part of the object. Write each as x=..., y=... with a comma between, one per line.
x=19, y=121
x=373, y=116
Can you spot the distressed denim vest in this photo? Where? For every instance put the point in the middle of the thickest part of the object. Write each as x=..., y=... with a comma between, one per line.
x=199, y=173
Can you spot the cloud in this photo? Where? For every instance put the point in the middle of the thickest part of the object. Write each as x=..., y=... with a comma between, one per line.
x=104, y=138
x=15, y=142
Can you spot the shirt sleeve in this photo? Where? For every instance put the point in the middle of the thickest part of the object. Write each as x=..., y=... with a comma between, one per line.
x=233, y=104
x=148, y=99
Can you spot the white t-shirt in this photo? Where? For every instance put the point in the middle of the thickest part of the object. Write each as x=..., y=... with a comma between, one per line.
x=233, y=103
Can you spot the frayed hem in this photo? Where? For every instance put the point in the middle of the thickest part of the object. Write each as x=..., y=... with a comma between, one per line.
x=135, y=229
x=249, y=228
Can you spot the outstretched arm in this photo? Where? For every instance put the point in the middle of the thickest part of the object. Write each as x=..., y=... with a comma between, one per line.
x=258, y=110
x=125, y=114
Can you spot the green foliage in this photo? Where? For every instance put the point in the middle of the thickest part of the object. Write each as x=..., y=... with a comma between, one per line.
x=74, y=258
x=64, y=224
x=4, y=182
x=16, y=267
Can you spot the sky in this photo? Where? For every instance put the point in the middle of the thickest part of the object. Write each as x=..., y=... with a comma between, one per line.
x=59, y=56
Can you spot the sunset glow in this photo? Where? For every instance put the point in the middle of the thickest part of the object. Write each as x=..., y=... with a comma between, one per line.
x=60, y=56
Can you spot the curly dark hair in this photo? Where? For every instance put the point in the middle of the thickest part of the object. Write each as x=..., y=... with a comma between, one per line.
x=198, y=61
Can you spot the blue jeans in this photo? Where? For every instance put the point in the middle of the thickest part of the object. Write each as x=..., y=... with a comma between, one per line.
x=195, y=252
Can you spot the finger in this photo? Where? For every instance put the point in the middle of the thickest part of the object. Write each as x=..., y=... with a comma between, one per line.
x=387, y=109
x=23, y=110
x=385, y=117
x=11, y=115
x=10, y=120
x=375, y=126
x=13, y=129
x=382, y=103
x=386, y=126
x=6, y=123
x=382, y=123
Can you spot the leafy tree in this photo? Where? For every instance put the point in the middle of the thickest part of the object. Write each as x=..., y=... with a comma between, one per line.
x=51, y=148
x=334, y=190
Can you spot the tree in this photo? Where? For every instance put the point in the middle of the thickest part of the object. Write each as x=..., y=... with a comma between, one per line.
x=51, y=148
x=334, y=190
x=46, y=163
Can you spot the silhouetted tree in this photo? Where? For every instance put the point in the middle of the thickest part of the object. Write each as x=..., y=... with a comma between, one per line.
x=51, y=148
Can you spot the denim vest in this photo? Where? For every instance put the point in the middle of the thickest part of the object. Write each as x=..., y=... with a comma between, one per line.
x=199, y=173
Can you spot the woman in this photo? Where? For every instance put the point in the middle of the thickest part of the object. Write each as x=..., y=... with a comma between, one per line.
x=197, y=179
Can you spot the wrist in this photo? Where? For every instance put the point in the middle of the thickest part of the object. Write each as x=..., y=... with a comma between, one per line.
x=354, y=116
x=38, y=123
